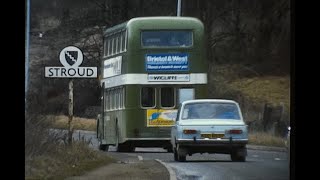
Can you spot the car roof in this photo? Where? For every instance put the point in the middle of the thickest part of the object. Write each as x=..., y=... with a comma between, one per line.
x=209, y=100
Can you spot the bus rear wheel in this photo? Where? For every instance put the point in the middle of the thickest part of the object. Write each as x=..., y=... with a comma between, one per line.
x=126, y=148
x=169, y=149
x=123, y=147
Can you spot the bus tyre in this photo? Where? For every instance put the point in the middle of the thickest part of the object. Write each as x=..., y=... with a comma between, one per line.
x=103, y=147
x=125, y=148
x=169, y=149
x=122, y=147
x=97, y=128
x=130, y=148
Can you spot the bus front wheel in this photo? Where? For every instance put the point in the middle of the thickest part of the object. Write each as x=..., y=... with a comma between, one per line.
x=103, y=147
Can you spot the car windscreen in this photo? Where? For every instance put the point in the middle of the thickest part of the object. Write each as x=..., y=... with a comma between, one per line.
x=210, y=110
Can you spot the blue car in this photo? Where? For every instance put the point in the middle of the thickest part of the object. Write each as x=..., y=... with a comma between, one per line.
x=209, y=126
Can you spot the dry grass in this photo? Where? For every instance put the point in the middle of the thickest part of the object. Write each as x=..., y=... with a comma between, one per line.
x=253, y=90
x=266, y=139
x=65, y=161
x=270, y=89
x=237, y=79
x=49, y=156
x=61, y=122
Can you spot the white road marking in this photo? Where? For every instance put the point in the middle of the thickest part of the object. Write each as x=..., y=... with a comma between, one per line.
x=140, y=158
x=172, y=173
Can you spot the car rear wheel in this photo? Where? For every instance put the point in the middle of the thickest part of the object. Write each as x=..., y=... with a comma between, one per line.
x=181, y=153
x=239, y=155
x=181, y=158
x=175, y=154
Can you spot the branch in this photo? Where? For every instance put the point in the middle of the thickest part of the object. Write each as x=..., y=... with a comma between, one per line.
x=100, y=5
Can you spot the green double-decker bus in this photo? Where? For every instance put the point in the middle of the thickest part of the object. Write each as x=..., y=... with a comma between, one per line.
x=149, y=66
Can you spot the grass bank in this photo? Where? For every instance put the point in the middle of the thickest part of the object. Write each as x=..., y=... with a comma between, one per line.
x=61, y=122
x=48, y=155
x=266, y=139
x=65, y=161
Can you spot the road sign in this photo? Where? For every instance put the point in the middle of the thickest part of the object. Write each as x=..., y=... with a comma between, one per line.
x=71, y=58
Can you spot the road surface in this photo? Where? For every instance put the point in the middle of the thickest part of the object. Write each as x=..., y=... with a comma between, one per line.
x=260, y=164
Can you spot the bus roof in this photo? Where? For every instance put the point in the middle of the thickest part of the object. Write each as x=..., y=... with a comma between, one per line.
x=151, y=21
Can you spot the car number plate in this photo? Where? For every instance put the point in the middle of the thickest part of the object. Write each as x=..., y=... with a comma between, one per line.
x=212, y=136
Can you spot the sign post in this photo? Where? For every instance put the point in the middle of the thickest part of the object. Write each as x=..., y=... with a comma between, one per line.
x=27, y=56
x=70, y=125
x=179, y=8
x=71, y=58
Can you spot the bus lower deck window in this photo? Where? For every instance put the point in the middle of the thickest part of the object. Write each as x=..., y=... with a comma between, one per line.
x=147, y=97
x=167, y=97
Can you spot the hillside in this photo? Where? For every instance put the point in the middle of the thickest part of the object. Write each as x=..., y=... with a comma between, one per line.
x=260, y=96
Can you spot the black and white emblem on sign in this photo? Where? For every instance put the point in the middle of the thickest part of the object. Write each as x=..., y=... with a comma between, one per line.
x=71, y=56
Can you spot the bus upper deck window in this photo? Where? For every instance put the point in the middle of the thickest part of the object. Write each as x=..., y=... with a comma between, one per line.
x=172, y=38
